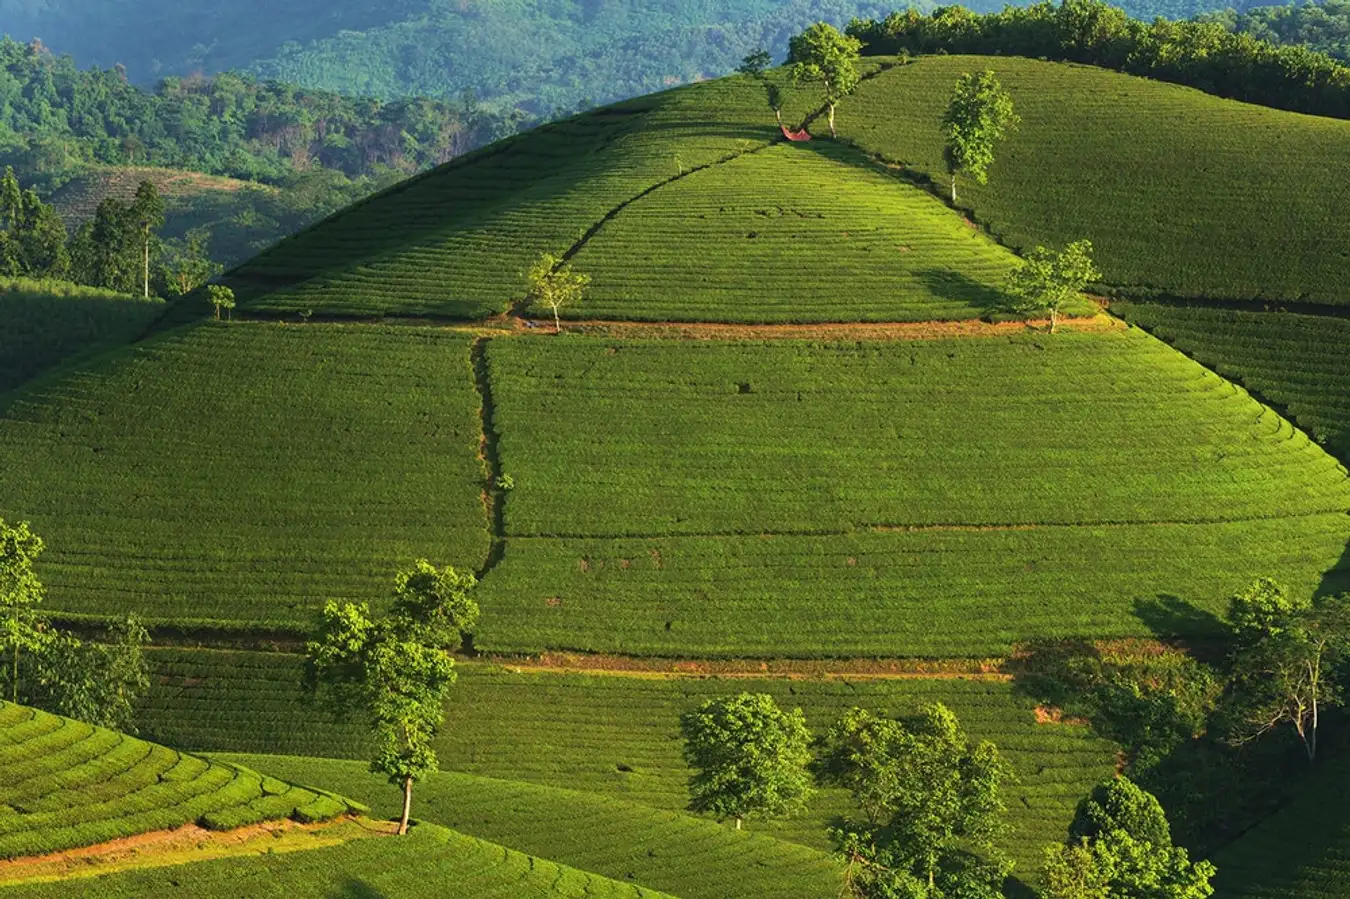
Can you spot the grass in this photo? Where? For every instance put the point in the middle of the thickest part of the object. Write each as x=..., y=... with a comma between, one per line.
x=1297, y=362
x=615, y=736
x=1179, y=191
x=243, y=474
x=791, y=233
x=711, y=498
x=64, y=784
x=681, y=854
x=430, y=860
x=50, y=322
x=1301, y=851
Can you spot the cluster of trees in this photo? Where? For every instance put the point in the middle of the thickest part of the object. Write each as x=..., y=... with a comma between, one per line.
x=55, y=118
x=929, y=805
x=1202, y=54
x=47, y=667
x=1322, y=27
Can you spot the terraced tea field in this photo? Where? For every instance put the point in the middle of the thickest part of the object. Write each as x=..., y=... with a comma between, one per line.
x=792, y=233
x=50, y=322
x=713, y=498
x=615, y=736
x=692, y=857
x=1178, y=190
x=247, y=473
x=64, y=784
x=1297, y=362
x=429, y=858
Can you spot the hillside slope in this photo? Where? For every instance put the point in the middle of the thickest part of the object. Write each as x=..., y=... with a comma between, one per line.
x=64, y=784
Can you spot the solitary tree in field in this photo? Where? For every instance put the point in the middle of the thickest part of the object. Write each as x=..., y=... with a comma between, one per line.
x=749, y=757
x=221, y=297
x=1046, y=280
x=931, y=805
x=396, y=670
x=755, y=63
x=552, y=283
x=824, y=55
x=979, y=114
x=1285, y=662
x=147, y=215
x=1120, y=847
x=20, y=594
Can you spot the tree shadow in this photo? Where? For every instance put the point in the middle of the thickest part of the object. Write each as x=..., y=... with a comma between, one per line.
x=958, y=287
x=355, y=888
x=1170, y=617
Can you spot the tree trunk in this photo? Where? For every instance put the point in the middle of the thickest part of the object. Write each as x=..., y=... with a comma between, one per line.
x=778, y=114
x=833, y=133
x=147, y=262
x=407, y=806
x=738, y=822
x=953, y=188
x=1054, y=318
x=15, y=683
x=557, y=322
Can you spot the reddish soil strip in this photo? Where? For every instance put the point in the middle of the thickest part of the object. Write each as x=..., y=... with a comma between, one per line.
x=183, y=844
x=825, y=331
x=778, y=669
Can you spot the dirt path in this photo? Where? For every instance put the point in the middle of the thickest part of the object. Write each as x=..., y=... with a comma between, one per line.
x=187, y=844
x=780, y=669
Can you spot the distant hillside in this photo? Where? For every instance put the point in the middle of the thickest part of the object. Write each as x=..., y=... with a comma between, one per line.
x=77, y=200
x=540, y=56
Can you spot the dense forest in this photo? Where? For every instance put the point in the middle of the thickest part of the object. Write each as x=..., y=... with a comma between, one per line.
x=541, y=55
x=1324, y=27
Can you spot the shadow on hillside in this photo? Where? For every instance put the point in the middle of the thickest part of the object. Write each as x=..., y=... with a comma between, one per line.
x=355, y=888
x=44, y=330
x=958, y=287
x=1336, y=580
x=1170, y=617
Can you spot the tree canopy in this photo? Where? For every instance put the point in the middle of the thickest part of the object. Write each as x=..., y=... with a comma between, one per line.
x=824, y=55
x=1046, y=280
x=979, y=114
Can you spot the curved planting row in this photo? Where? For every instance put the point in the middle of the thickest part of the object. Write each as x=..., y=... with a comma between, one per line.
x=64, y=784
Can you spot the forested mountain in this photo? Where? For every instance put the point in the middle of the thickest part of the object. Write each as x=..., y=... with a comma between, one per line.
x=1324, y=27
x=542, y=55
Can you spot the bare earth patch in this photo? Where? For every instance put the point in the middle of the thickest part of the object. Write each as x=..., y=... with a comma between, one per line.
x=826, y=331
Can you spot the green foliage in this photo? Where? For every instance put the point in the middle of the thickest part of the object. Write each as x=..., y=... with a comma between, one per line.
x=220, y=297
x=545, y=728
x=1262, y=610
x=1292, y=361
x=755, y=63
x=187, y=264
x=932, y=806
x=598, y=527
x=749, y=757
x=1049, y=280
x=979, y=114
x=21, y=593
x=32, y=237
x=70, y=784
x=97, y=682
x=823, y=55
x=1203, y=54
x=1323, y=26
x=551, y=283
x=675, y=852
x=1120, y=839
x=396, y=671
x=431, y=861
x=1144, y=170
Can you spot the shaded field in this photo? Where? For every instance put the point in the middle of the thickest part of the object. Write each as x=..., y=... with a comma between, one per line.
x=692, y=857
x=1302, y=851
x=430, y=860
x=243, y=474
x=1298, y=362
x=64, y=784
x=713, y=498
x=616, y=736
x=1178, y=190
x=49, y=322
x=78, y=200
x=791, y=234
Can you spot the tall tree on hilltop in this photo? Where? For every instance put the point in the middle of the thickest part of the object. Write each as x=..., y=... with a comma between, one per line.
x=979, y=114
x=396, y=670
x=824, y=55
x=749, y=757
x=1046, y=280
x=147, y=215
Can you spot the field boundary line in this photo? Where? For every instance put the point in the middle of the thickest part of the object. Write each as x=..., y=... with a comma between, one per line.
x=493, y=493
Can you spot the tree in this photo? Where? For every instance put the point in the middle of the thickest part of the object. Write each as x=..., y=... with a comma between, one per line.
x=396, y=670
x=189, y=264
x=1285, y=662
x=755, y=63
x=1120, y=846
x=147, y=216
x=931, y=805
x=221, y=297
x=822, y=54
x=21, y=592
x=749, y=757
x=95, y=682
x=1046, y=280
x=979, y=114
x=552, y=283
